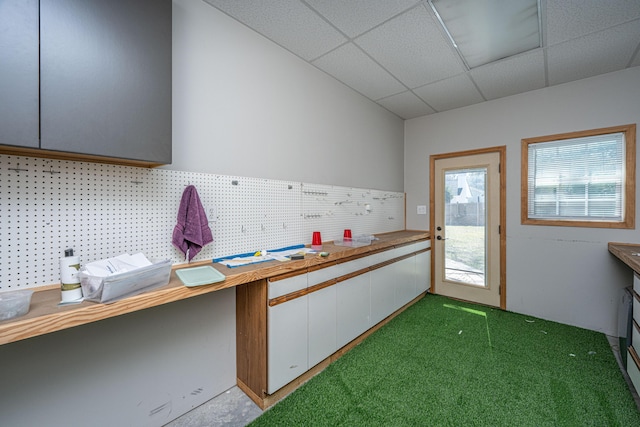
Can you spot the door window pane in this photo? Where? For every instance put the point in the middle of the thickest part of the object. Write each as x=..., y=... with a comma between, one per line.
x=465, y=231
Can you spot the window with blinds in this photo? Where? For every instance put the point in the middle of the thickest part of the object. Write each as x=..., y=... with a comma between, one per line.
x=580, y=179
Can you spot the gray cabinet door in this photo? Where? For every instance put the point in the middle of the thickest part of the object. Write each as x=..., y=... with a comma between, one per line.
x=19, y=73
x=105, y=76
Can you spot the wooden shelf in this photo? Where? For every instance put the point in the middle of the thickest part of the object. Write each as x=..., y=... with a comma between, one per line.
x=46, y=316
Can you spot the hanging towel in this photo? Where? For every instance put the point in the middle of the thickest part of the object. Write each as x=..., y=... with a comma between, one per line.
x=192, y=231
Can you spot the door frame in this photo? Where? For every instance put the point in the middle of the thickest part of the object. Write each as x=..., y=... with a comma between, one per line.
x=502, y=151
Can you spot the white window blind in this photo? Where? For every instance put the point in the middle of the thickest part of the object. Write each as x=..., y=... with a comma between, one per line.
x=577, y=179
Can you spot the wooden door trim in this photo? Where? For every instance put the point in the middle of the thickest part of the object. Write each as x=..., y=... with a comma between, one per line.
x=502, y=151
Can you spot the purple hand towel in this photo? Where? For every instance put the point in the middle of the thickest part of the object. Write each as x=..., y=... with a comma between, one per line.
x=192, y=231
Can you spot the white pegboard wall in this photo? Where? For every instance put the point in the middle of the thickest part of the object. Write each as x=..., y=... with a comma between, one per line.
x=99, y=210
x=332, y=209
x=102, y=211
x=254, y=214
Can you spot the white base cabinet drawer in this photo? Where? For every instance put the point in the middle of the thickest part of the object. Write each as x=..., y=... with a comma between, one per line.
x=281, y=287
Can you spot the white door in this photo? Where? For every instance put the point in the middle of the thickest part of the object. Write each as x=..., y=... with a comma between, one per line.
x=466, y=203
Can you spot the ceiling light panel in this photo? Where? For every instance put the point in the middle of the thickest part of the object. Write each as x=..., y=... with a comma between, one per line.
x=484, y=31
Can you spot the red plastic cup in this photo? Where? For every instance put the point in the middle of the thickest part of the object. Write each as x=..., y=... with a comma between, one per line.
x=347, y=234
x=316, y=241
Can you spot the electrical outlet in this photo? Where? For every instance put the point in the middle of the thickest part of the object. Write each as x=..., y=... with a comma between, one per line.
x=422, y=210
x=212, y=213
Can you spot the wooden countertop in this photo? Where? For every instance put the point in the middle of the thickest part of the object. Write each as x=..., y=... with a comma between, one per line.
x=46, y=316
x=626, y=252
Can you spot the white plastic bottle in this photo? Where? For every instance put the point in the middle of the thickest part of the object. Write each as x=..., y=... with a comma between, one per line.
x=70, y=282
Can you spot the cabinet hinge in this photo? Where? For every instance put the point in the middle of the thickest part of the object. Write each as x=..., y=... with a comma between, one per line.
x=499, y=229
x=499, y=167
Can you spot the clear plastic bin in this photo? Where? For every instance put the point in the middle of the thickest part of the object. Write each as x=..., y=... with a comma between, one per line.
x=112, y=288
x=355, y=241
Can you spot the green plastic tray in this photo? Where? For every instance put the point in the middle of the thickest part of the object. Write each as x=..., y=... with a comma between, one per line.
x=197, y=276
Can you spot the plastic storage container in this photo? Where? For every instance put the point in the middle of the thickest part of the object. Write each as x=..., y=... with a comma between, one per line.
x=112, y=288
x=355, y=241
x=14, y=303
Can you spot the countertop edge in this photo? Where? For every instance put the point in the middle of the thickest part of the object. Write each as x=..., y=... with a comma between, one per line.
x=624, y=251
x=45, y=316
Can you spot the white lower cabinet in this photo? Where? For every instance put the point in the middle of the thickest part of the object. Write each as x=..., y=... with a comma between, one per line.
x=405, y=289
x=322, y=325
x=353, y=308
x=305, y=330
x=423, y=272
x=287, y=342
x=383, y=281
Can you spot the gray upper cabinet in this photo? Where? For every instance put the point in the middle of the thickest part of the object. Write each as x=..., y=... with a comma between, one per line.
x=19, y=73
x=105, y=78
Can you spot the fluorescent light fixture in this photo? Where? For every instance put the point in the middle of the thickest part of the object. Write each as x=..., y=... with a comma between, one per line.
x=484, y=31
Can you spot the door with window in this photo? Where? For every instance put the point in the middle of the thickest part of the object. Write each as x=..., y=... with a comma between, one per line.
x=467, y=216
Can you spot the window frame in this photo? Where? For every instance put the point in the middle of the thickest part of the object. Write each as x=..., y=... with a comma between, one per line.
x=629, y=210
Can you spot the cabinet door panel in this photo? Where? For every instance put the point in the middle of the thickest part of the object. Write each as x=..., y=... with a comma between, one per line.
x=106, y=78
x=423, y=271
x=287, y=342
x=406, y=281
x=383, y=282
x=354, y=308
x=322, y=325
x=19, y=116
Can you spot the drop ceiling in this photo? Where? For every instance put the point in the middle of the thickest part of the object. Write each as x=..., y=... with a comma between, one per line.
x=396, y=53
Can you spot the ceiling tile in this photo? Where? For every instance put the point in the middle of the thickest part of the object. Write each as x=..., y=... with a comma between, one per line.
x=413, y=48
x=568, y=19
x=406, y=105
x=354, y=17
x=289, y=23
x=450, y=93
x=597, y=53
x=400, y=45
x=513, y=75
x=355, y=69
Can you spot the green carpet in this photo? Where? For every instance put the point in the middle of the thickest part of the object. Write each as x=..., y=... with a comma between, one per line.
x=447, y=363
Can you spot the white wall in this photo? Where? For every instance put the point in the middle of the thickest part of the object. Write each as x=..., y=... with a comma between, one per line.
x=140, y=369
x=245, y=106
x=563, y=274
x=241, y=106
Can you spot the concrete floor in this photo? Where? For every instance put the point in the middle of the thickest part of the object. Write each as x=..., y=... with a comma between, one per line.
x=230, y=409
x=234, y=409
